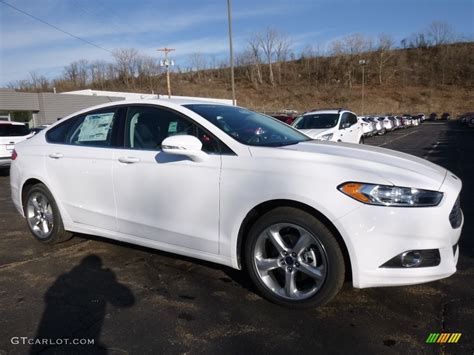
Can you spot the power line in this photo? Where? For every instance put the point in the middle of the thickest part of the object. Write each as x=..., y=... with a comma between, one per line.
x=55, y=27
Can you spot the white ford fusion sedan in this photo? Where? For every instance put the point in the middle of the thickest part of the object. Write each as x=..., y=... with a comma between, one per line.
x=231, y=186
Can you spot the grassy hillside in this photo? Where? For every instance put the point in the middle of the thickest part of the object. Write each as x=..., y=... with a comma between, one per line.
x=378, y=99
x=423, y=79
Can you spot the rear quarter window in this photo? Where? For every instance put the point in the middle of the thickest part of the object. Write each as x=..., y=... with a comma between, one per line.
x=59, y=133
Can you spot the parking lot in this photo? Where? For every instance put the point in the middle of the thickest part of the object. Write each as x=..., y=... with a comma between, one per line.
x=136, y=300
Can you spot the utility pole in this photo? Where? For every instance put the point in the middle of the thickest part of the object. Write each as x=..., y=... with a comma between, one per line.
x=167, y=63
x=229, y=18
x=363, y=63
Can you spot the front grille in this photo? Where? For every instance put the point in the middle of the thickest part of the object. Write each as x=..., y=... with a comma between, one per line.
x=455, y=217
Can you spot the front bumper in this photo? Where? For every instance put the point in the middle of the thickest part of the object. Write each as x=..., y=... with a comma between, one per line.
x=374, y=235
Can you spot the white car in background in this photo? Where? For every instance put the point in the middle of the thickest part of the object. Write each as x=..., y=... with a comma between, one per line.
x=11, y=133
x=232, y=186
x=368, y=127
x=330, y=125
x=387, y=123
x=379, y=129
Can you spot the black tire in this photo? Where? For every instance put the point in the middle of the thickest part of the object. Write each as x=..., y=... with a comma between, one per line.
x=57, y=233
x=334, y=268
x=361, y=140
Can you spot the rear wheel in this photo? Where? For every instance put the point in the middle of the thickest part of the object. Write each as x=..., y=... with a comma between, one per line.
x=361, y=140
x=43, y=217
x=293, y=259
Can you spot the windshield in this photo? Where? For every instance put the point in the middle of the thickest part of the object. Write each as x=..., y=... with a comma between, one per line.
x=10, y=130
x=248, y=127
x=320, y=120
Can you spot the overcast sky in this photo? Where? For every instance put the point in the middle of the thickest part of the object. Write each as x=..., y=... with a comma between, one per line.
x=198, y=26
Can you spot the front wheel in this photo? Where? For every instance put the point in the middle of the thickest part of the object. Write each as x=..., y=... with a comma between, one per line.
x=293, y=259
x=43, y=217
x=361, y=140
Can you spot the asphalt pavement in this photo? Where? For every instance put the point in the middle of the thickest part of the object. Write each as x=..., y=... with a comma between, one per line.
x=133, y=300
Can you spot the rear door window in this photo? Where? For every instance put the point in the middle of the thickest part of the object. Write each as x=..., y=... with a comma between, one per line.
x=94, y=129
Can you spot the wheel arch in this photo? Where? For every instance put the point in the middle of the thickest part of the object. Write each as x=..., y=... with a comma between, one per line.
x=264, y=207
x=33, y=180
x=26, y=186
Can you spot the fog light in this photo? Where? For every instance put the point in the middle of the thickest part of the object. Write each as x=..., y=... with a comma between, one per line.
x=411, y=259
x=414, y=258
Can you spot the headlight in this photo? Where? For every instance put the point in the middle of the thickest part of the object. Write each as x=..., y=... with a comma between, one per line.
x=324, y=137
x=383, y=195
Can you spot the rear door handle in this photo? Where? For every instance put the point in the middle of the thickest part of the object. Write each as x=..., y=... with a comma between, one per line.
x=129, y=160
x=56, y=155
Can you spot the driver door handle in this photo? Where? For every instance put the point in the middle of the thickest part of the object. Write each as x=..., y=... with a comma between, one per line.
x=129, y=160
x=56, y=155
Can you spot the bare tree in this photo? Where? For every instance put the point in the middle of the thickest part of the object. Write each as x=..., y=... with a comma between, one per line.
x=275, y=47
x=83, y=72
x=39, y=82
x=126, y=61
x=146, y=71
x=419, y=40
x=147, y=66
x=267, y=41
x=349, y=49
x=282, y=53
x=254, y=51
x=439, y=33
x=198, y=63
x=98, y=72
x=71, y=73
x=384, y=52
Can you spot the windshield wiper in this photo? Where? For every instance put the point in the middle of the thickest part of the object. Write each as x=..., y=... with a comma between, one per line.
x=282, y=144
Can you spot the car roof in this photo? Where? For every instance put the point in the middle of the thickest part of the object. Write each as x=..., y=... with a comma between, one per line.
x=171, y=103
x=324, y=111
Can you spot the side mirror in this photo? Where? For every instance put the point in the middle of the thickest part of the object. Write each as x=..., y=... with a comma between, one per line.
x=345, y=125
x=186, y=145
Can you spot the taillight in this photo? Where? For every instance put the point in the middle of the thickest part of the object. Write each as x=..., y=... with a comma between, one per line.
x=14, y=154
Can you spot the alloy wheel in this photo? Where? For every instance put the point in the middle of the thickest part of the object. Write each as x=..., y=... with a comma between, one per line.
x=39, y=213
x=290, y=261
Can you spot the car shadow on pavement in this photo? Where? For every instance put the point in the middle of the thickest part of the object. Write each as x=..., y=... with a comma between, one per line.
x=75, y=307
x=232, y=275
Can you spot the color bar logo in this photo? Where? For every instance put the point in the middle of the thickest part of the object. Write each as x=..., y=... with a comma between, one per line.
x=443, y=338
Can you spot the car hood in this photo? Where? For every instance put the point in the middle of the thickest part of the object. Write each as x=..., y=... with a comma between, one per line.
x=398, y=168
x=315, y=132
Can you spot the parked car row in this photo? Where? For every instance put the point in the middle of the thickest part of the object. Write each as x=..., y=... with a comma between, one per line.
x=379, y=125
x=341, y=125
